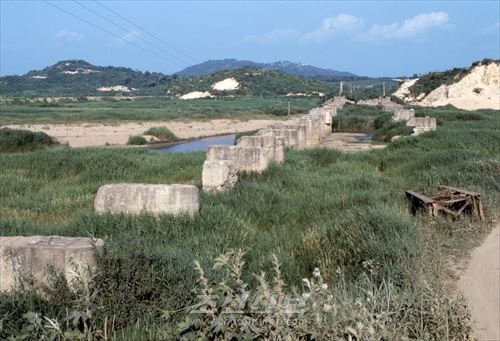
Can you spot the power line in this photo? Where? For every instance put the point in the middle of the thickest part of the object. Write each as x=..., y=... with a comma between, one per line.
x=127, y=30
x=147, y=32
x=112, y=34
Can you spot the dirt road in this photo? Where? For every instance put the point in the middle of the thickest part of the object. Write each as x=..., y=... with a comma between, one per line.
x=480, y=284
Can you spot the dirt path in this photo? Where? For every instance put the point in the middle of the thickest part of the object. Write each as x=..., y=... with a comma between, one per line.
x=480, y=284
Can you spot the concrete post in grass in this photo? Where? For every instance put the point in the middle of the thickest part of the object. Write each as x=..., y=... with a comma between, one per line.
x=31, y=258
x=147, y=198
x=218, y=175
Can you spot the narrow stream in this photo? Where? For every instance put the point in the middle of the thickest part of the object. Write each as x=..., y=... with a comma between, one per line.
x=200, y=145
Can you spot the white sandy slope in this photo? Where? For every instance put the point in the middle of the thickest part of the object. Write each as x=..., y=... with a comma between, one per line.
x=480, y=89
x=114, y=88
x=227, y=84
x=196, y=95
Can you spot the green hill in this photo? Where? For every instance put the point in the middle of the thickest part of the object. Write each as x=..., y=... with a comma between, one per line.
x=78, y=77
x=252, y=82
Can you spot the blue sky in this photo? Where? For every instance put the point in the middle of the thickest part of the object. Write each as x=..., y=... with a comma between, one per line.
x=367, y=38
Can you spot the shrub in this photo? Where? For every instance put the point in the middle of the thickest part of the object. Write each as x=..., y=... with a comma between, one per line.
x=136, y=140
x=162, y=133
x=17, y=140
x=231, y=310
x=245, y=133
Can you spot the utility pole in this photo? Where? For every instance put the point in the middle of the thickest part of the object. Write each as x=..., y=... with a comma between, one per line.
x=383, y=86
x=341, y=88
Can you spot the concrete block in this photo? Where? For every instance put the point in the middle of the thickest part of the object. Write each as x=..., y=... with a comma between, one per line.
x=30, y=257
x=147, y=198
x=219, y=175
x=274, y=146
x=422, y=124
x=313, y=130
x=403, y=115
x=249, y=159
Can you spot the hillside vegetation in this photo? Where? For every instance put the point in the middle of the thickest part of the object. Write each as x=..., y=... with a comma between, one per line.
x=475, y=87
x=345, y=214
x=297, y=69
x=79, y=78
x=253, y=82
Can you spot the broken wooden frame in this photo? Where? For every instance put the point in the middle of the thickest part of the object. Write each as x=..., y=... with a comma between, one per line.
x=450, y=200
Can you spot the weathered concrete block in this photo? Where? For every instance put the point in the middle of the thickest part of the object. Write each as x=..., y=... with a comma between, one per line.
x=274, y=146
x=249, y=159
x=218, y=175
x=290, y=136
x=422, y=124
x=147, y=198
x=313, y=130
x=403, y=115
x=30, y=257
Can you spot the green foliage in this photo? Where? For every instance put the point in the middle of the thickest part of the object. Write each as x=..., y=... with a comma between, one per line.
x=162, y=133
x=231, y=310
x=149, y=109
x=367, y=119
x=253, y=82
x=433, y=80
x=245, y=133
x=60, y=81
x=356, y=230
x=18, y=140
x=137, y=140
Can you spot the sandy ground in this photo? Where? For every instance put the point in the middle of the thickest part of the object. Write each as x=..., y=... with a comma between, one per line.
x=89, y=134
x=480, y=284
x=480, y=89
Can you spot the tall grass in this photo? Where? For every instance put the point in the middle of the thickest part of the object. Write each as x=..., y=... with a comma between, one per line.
x=340, y=213
x=151, y=108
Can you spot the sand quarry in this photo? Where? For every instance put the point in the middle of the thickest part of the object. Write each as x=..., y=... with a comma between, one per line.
x=480, y=89
x=100, y=134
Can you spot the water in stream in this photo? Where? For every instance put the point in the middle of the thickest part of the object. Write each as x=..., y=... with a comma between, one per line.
x=198, y=145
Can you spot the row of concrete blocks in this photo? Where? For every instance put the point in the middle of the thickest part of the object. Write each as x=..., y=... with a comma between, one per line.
x=255, y=153
x=420, y=124
x=30, y=257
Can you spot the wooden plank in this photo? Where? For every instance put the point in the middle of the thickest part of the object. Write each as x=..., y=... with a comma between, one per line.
x=452, y=201
x=459, y=190
x=425, y=199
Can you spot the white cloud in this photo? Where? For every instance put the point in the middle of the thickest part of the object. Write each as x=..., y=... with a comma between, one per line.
x=328, y=27
x=65, y=36
x=409, y=28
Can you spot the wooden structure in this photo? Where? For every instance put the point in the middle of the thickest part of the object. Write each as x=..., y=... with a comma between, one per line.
x=450, y=200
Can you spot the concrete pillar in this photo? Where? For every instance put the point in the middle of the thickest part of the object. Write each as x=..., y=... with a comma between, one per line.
x=274, y=146
x=218, y=175
x=147, y=198
x=30, y=257
x=249, y=159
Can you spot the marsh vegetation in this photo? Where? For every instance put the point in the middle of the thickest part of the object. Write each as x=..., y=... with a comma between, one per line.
x=344, y=214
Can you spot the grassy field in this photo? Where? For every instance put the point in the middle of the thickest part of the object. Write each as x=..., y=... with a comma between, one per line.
x=153, y=108
x=343, y=213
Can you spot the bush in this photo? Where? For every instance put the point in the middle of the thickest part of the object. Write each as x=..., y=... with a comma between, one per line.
x=17, y=140
x=136, y=140
x=162, y=133
x=245, y=133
